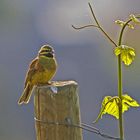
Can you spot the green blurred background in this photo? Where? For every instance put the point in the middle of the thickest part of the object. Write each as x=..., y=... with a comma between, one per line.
x=85, y=56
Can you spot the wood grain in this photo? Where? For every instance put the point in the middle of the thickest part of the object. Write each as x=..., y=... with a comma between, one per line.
x=58, y=102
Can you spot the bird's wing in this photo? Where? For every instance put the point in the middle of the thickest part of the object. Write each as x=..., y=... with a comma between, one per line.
x=32, y=69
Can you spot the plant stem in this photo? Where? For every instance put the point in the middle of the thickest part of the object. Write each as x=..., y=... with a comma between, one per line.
x=120, y=85
x=120, y=96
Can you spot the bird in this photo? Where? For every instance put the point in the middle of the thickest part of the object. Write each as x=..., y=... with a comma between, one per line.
x=41, y=70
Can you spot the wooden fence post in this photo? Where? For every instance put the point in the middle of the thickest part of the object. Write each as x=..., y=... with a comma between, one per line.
x=56, y=105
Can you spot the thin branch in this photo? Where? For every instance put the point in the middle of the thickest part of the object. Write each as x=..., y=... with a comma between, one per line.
x=97, y=26
x=94, y=17
x=97, y=22
x=108, y=37
x=86, y=26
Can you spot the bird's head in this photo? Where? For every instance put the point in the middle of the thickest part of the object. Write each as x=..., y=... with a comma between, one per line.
x=46, y=51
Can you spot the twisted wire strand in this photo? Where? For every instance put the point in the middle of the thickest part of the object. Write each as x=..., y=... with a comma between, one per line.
x=82, y=126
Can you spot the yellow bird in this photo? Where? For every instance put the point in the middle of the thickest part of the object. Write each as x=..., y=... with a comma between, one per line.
x=41, y=71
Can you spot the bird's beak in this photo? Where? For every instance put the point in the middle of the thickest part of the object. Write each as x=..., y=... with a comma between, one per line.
x=52, y=51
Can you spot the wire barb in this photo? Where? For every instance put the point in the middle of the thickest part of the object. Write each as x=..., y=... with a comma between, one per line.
x=82, y=126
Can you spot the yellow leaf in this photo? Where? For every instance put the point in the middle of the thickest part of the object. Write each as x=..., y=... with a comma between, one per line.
x=122, y=23
x=134, y=19
x=130, y=101
x=110, y=105
x=130, y=26
x=118, y=50
x=127, y=54
x=119, y=22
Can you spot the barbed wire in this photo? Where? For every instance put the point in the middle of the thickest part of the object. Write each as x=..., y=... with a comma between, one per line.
x=82, y=126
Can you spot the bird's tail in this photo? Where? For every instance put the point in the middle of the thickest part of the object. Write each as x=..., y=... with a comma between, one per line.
x=26, y=95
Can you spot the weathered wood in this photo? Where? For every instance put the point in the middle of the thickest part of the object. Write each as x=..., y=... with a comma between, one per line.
x=54, y=105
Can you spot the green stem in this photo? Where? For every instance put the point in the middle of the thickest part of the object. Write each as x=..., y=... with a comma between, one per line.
x=120, y=84
x=120, y=87
x=120, y=90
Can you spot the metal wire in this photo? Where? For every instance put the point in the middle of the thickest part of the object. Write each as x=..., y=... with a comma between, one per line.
x=82, y=126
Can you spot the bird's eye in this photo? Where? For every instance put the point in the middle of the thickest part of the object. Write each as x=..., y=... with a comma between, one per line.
x=44, y=51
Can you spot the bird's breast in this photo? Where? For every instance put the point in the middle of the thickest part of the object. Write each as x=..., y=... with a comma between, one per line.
x=45, y=72
x=43, y=77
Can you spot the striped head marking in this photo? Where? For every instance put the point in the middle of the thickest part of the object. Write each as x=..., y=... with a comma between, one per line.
x=46, y=50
